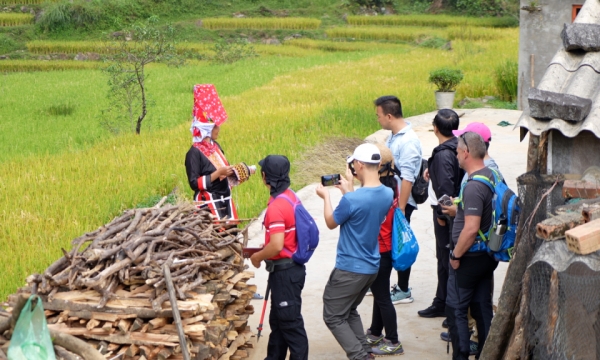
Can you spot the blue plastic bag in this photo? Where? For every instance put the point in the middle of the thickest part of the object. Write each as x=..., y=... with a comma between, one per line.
x=31, y=339
x=405, y=247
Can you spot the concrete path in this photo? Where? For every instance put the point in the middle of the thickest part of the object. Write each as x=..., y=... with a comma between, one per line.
x=419, y=336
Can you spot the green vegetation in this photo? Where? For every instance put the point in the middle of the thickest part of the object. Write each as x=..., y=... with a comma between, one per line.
x=62, y=173
x=507, y=80
x=432, y=21
x=262, y=23
x=446, y=79
x=405, y=33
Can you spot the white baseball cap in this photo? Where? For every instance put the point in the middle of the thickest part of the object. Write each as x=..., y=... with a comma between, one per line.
x=366, y=153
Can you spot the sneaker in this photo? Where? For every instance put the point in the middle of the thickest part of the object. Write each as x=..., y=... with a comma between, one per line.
x=432, y=312
x=473, y=346
x=400, y=297
x=445, y=336
x=370, y=357
x=387, y=348
x=369, y=292
x=445, y=323
x=373, y=340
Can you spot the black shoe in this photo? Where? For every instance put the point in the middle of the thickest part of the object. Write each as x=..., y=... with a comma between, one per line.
x=445, y=337
x=432, y=312
x=445, y=323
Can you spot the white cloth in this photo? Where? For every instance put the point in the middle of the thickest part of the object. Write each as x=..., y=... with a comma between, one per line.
x=205, y=130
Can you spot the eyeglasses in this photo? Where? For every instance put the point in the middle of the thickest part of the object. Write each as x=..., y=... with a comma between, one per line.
x=351, y=166
x=464, y=139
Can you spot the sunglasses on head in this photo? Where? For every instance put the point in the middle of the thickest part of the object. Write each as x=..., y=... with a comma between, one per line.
x=464, y=139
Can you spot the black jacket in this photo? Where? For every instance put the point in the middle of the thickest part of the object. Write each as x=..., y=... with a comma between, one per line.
x=444, y=172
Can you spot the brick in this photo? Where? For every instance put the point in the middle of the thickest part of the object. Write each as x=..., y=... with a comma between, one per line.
x=550, y=105
x=554, y=228
x=584, y=239
x=581, y=37
x=580, y=189
x=591, y=213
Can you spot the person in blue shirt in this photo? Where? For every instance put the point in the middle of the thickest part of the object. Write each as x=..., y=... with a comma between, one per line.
x=359, y=215
x=406, y=149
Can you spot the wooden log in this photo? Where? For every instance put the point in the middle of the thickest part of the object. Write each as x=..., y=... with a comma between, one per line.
x=176, y=316
x=65, y=354
x=137, y=324
x=75, y=345
x=239, y=341
x=157, y=323
x=164, y=353
x=132, y=350
x=584, y=239
x=124, y=325
x=554, y=228
x=93, y=323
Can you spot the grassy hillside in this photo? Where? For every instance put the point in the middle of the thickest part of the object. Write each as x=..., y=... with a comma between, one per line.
x=62, y=174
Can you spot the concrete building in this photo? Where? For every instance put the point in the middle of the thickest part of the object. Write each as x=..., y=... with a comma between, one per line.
x=541, y=22
x=565, y=102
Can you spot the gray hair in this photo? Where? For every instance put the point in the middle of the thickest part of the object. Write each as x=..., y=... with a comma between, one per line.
x=473, y=143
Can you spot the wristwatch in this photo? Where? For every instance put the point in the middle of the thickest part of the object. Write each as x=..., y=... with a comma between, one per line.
x=452, y=257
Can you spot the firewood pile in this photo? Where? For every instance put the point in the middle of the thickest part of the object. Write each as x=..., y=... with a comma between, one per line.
x=136, y=286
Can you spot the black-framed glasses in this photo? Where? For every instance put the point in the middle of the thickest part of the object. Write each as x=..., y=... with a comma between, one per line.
x=464, y=139
x=351, y=166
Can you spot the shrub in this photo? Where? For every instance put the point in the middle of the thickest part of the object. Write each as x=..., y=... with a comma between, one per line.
x=230, y=52
x=507, y=79
x=446, y=79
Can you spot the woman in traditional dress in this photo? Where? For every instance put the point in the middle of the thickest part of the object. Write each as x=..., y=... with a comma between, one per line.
x=207, y=171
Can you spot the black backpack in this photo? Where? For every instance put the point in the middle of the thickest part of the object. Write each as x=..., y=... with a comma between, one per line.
x=420, y=187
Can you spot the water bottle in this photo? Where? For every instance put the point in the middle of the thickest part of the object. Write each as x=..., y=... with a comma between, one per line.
x=497, y=234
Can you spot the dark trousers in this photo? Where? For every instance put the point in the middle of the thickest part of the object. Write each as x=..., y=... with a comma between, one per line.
x=285, y=319
x=404, y=276
x=384, y=313
x=470, y=287
x=442, y=253
x=343, y=293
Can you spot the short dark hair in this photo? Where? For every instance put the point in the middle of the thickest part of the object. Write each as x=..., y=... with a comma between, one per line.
x=390, y=105
x=445, y=121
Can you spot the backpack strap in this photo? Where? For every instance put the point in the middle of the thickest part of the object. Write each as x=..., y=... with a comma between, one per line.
x=486, y=181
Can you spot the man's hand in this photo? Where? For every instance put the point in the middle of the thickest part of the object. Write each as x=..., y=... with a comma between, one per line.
x=348, y=174
x=345, y=186
x=449, y=210
x=455, y=264
x=441, y=222
x=322, y=191
x=426, y=175
x=255, y=260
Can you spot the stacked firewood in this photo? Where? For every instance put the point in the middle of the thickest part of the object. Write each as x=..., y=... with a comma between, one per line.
x=138, y=286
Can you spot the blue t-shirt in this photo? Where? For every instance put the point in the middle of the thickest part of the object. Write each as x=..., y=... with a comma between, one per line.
x=360, y=214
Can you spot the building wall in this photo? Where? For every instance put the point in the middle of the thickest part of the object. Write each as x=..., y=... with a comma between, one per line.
x=539, y=34
x=572, y=155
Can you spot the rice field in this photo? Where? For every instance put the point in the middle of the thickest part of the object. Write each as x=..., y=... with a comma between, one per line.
x=339, y=45
x=10, y=19
x=62, y=175
x=22, y=2
x=7, y=66
x=261, y=23
x=431, y=21
x=405, y=33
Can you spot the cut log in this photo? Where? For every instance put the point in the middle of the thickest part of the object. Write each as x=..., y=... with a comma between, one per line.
x=157, y=323
x=124, y=325
x=554, y=228
x=584, y=239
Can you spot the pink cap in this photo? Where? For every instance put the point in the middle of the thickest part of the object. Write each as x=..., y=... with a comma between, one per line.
x=478, y=128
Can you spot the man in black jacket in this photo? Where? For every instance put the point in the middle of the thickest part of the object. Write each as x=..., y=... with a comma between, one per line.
x=446, y=176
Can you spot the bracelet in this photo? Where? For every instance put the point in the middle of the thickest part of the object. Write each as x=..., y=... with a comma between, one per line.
x=452, y=257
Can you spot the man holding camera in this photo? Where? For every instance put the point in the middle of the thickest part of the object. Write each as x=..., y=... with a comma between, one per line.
x=445, y=175
x=406, y=149
x=359, y=215
x=286, y=277
x=471, y=273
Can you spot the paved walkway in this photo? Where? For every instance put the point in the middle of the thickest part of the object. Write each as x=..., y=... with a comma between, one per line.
x=419, y=336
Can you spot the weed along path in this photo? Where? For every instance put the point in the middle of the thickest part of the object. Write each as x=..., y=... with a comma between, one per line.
x=419, y=336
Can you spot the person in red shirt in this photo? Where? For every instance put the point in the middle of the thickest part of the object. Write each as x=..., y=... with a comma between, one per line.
x=286, y=278
x=384, y=313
